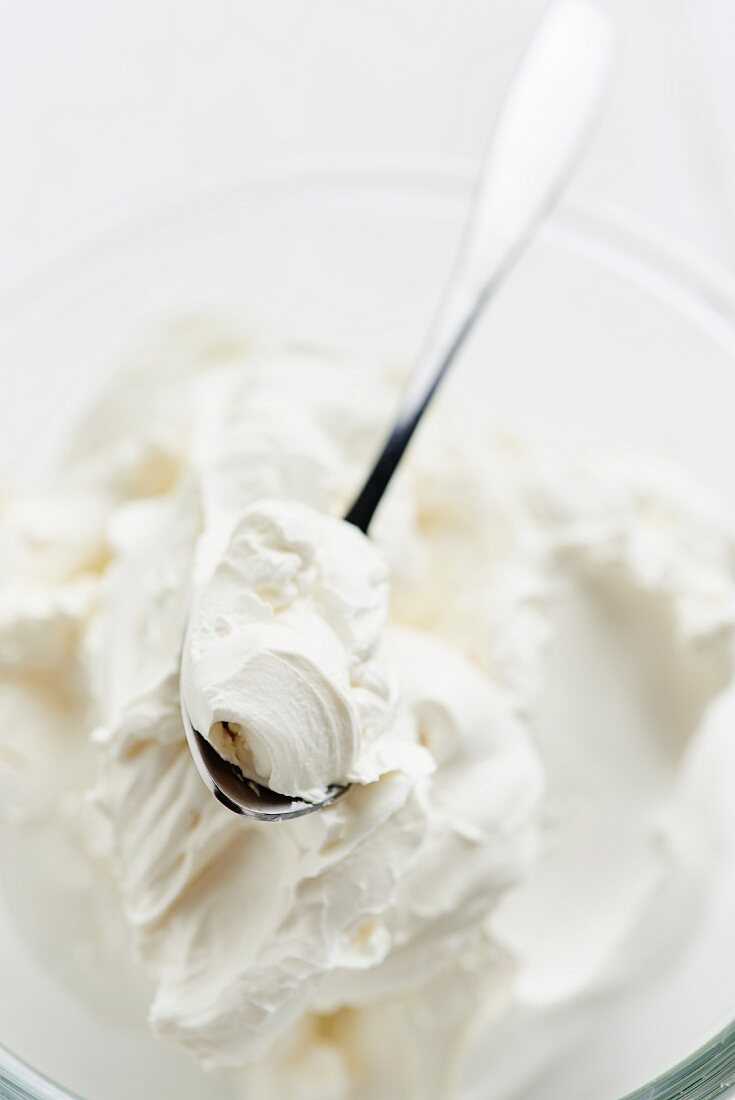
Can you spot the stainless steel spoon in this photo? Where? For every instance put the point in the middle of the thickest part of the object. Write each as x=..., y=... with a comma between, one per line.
x=549, y=113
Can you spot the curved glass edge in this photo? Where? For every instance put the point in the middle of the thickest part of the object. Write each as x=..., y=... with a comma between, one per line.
x=19, y=1082
x=707, y=1074
x=649, y=256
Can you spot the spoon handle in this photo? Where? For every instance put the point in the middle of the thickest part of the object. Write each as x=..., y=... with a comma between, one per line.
x=547, y=117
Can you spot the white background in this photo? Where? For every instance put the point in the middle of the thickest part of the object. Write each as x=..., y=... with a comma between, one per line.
x=109, y=105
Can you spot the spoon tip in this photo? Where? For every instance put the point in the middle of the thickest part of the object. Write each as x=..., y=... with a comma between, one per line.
x=244, y=796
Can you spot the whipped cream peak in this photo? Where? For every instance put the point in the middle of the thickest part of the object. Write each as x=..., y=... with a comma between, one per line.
x=279, y=669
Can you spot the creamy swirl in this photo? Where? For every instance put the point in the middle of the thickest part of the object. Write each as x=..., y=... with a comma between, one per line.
x=279, y=668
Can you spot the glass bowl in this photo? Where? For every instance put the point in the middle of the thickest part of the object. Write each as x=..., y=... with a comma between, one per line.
x=605, y=337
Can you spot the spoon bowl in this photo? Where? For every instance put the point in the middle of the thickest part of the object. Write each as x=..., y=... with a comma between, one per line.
x=242, y=795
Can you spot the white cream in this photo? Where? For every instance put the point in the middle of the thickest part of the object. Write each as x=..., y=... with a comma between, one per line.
x=362, y=901
x=279, y=668
x=515, y=674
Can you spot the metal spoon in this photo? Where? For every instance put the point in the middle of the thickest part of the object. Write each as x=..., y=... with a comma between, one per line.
x=548, y=115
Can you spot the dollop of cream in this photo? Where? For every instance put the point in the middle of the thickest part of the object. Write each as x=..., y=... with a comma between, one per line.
x=279, y=669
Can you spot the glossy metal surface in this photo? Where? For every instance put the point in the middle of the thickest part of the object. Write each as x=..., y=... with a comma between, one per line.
x=244, y=796
x=549, y=113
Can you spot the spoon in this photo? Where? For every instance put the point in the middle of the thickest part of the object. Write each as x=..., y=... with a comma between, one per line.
x=548, y=115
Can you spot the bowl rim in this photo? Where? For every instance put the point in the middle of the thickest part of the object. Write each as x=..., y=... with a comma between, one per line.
x=690, y=281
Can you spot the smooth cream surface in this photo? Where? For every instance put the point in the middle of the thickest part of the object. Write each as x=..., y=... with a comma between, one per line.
x=516, y=673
